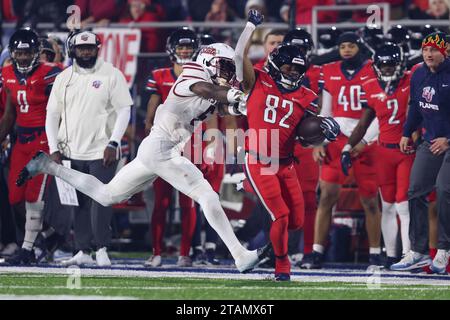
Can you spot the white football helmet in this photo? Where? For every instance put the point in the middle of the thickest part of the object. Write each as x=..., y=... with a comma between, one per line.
x=217, y=58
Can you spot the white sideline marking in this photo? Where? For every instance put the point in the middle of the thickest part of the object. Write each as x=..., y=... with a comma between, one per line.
x=61, y=297
x=86, y=272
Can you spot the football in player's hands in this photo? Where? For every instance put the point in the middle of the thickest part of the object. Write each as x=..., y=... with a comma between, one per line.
x=310, y=132
x=255, y=17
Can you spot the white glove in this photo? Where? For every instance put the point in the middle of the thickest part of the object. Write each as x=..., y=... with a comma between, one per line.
x=235, y=95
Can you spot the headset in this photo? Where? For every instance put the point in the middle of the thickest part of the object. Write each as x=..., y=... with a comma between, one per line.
x=70, y=45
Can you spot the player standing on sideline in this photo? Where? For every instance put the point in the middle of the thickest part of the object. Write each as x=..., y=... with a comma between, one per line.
x=28, y=82
x=386, y=98
x=181, y=46
x=191, y=100
x=276, y=104
x=341, y=83
x=429, y=96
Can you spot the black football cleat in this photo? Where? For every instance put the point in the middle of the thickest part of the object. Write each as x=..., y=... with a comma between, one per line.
x=21, y=257
x=282, y=277
x=314, y=260
x=33, y=168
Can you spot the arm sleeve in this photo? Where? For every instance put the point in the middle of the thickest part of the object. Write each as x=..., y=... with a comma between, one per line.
x=123, y=118
x=120, y=95
x=414, y=118
x=240, y=50
x=192, y=73
x=54, y=108
x=152, y=86
x=326, y=104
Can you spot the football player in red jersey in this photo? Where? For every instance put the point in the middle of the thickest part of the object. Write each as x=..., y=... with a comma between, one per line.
x=29, y=83
x=307, y=169
x=181, y=46
x=341, y=82
x=386, y=98
x=275, y=105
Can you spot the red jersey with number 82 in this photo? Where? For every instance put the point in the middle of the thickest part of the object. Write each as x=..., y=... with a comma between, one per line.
x=273, y=116
x=390, y=108
x=30, y=94
x=345, y=92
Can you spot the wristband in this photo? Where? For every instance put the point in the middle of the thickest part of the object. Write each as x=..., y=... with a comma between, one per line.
x=347, y=148
x=113, y=144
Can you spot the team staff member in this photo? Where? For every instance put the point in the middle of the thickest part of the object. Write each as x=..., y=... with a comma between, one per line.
x=430, y=93
x=92, y=100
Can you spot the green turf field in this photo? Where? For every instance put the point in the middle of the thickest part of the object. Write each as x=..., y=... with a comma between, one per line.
x=209, y=289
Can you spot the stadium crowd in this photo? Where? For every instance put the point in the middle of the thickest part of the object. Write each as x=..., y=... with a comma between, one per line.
x=375, y=167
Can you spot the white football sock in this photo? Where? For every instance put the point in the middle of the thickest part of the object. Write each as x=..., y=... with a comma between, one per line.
x=389, y=227
x=318, y=248
x=33, y=223
x=403, y=214
x=209, y=201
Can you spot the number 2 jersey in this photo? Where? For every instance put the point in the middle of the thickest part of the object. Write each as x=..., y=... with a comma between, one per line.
x=390, y=108
x=269, y=109
x=30, y=94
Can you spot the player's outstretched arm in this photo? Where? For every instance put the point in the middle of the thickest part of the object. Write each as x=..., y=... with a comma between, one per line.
x=221, y=94
x=244, y=68
x=9, y=117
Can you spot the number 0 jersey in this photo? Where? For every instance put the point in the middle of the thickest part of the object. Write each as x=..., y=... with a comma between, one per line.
x=30, y=94
x=272, y=113
x=390, y=108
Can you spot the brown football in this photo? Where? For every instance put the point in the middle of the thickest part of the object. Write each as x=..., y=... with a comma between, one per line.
x=309, y=131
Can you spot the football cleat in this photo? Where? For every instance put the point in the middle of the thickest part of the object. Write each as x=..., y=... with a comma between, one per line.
x=21, y=257
x=282, y=277
x=153, y=261
x=258, y=257
x=184, y=262
x=33, y=167
x=314, y=260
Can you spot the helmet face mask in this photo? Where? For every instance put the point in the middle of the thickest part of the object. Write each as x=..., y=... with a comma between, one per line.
x=217, y=59
x=24, y=49
x=389, y=64
x=181, y=46
x=287, y=66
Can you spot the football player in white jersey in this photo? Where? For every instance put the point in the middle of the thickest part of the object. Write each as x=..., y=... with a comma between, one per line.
x=194, y=96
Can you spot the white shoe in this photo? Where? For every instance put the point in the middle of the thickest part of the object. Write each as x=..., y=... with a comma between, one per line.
x=440, y=261
x=184, y=261
x=412, y=260
x=251, y=259
x=9, y=249
x=153, y=261
x=101, y=256
x=79, y=259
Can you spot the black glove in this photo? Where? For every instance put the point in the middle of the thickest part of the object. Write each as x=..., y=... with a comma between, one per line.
x=330, y=127
x=255, y=17
x=346, y=162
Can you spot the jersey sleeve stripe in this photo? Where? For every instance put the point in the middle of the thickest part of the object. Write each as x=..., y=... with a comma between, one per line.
x=192, y=68
x=193, y=77
x=175, y=87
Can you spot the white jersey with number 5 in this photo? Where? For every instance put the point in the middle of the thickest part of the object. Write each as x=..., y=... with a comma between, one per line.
x=183, y=110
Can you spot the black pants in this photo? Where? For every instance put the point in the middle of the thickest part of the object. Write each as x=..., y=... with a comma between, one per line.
x=91, y=220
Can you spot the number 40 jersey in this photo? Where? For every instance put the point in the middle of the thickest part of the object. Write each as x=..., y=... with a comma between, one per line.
x=271, y=111
x=30, y=94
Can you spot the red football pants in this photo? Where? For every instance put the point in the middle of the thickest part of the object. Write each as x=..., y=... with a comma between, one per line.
x=282, y=197
x=32, y=190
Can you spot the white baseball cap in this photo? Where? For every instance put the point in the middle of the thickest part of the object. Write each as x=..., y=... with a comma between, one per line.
x=85, y=37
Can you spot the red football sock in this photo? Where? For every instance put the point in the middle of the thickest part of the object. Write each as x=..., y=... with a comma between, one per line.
x=188, y=220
